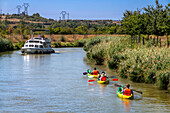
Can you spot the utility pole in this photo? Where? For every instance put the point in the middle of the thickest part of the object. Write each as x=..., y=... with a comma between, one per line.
x=63, y=13
x=26, y=5
x=19, y=7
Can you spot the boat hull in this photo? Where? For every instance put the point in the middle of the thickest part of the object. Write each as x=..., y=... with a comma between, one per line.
x=103, y=82
x=36, y=51
x=120, y=95
x=92, y=76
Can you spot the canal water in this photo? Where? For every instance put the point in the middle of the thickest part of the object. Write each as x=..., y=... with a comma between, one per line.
x=55, y=83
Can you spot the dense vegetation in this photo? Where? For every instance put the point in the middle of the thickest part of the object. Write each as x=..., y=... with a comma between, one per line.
x=151, y=20
x=84, y=27
x=5, y=45
x=139, y=63
x=61, y=27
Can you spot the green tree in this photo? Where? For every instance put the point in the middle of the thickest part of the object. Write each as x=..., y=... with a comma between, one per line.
x=81, y=30
x=156, y=17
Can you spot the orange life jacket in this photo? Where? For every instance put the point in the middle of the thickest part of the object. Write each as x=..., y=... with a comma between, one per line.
x=127, y=92
x=103, y=79
x=95, y=72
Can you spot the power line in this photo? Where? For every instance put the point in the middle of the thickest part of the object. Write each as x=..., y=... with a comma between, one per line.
x=26, y=5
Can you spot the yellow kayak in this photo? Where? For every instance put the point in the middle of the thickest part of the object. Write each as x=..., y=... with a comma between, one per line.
x=103, y=82
x=120, y=95
x=92, y=76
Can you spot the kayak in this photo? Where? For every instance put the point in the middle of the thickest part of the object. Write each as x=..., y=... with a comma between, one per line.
x=103, y=82
x=120, y=95
x=92, y=76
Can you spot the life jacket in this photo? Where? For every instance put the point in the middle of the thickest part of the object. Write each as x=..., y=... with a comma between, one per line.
x=127, y=92
x=103, y=78
x=95, y=72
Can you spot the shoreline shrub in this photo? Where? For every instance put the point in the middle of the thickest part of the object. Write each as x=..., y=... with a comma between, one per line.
x=139, y=63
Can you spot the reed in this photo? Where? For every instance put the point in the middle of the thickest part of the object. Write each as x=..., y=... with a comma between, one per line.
x=139, y=63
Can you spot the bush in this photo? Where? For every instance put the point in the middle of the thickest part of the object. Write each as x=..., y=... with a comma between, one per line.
x=5, y=45
x=80, y=43
x=62, y=39
x=163, y=79
x=56, y=44
x=19, y=45
x=150, y=76
x=113, y=63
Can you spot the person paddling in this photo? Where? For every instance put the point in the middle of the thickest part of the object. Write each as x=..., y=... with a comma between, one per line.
x=102, y=76
x=89, y=71
x=95, y=72
x=127, y=91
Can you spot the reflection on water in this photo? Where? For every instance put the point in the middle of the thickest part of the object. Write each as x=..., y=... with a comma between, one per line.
x=126, y=104
x=54, y=83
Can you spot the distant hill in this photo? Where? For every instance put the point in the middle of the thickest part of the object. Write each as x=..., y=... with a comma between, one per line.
x=36, y=18
x=22, y=24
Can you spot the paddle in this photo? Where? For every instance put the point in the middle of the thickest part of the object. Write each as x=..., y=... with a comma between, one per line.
x=91, y=80
x=132, y=89
x=85, y=73
x=115, y=79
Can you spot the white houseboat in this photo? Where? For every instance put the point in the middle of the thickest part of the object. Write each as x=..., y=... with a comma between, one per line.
x=37, y=45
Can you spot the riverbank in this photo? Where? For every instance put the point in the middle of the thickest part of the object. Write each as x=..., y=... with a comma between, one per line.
x=137, y=62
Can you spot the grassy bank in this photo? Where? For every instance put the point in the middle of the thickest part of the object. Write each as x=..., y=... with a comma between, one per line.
x=137, y=62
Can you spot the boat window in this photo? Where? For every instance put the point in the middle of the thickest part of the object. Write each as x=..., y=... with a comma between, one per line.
x=41, y=46
x=41, y=42
x=26, y=45
x=31, y=41
x=31, y=45
x=36, y=41
x=26, y=41
x=36, y=45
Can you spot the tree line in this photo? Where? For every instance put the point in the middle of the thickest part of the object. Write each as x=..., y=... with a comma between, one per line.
x=150, y=20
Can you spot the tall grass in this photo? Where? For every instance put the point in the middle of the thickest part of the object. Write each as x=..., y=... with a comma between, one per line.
x=139, y=63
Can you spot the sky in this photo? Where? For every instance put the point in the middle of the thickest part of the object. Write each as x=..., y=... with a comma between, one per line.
x=78, y=9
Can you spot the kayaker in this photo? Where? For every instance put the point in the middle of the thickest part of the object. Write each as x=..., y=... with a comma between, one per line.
x=95, y=72
x=100, y=75
x=127, y=91
x=88, y=71
x=103, y=76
